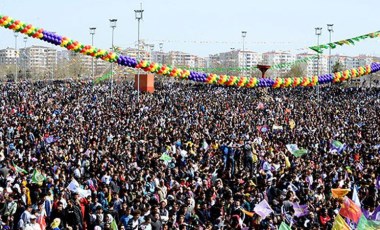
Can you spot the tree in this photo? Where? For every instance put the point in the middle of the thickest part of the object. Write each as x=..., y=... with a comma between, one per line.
x=297, y=70
x=337, y=67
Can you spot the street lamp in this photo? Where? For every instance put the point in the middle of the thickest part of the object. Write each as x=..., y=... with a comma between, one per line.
x=92, y=32
x=330, y=29
x=53, y=59
x=139, y=16
x=25, y=57
x=113, y=26
x=151, y=52
x=16, y=35
x=243, y=34
x=318, y=32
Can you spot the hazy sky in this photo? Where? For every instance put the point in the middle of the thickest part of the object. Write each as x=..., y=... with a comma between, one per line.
x=270, y=24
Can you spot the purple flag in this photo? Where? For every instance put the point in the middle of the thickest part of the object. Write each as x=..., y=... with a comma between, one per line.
x=375, y=215
x=378, y=182
x=300, y=210
x=263, y=209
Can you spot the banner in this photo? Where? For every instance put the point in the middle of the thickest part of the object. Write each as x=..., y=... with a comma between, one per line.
x=340, y=224
x=37, y=177
x=284, y=226
x=18, y=169
x=103, y=78
x=337, y=146
x=300, y=210
x=250, y=214
x=263, y=209
x=165, y=157
x=350, y=210
x=368, y=224
x=75, y=187
x=350, y=41
x=339, y=192
x=293, y=149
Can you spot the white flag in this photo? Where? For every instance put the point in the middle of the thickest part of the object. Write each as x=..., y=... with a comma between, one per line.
x=355, y=197
x=75, y=187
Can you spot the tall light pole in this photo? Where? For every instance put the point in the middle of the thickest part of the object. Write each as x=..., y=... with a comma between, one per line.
x=139, y=16
x=330, y=29
x=16, y=73
x=53, y=59
x=25, y=57
x=243, y=34
x=151, y=52
x=92, y=32
x=318, y=32
x=113, y=26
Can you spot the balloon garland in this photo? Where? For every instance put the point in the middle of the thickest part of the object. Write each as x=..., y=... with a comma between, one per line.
x=162, y=69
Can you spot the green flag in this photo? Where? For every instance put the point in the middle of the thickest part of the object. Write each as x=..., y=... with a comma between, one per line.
x=332, y=45
x=102, y=78
x=18, y=169
x=165, y=157
x=114, y=225
x=37, y=177
x=368, y=224
x=351, y=41
x=299, y=152
x=284, y=226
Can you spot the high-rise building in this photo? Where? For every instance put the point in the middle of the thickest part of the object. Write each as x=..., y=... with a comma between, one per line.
x=39, y=58
x=275, y=58
x=8, y=56
x=233, y=62
x=312, y=63
x=181, y=59
x=349, y=62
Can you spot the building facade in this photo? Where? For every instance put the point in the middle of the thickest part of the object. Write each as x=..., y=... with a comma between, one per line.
x=8, y=56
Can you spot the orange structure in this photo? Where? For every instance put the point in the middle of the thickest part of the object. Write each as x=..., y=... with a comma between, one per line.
x=146, y=82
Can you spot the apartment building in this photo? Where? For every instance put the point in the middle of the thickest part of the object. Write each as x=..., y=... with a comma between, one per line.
x=38, y=58
x=349, y=62
x=181, y=59
x=235, y=59
x=7, y=56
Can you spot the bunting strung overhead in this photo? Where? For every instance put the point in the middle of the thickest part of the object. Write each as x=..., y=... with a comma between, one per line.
x=159, y=69
x=350, y=41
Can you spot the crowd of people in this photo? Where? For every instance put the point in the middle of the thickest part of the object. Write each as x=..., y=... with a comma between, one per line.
x=188, y=156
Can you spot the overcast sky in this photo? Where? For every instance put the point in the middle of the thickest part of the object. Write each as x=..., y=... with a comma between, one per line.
x=202, y=27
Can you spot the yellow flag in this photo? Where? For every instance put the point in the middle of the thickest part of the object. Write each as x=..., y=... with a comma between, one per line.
x=287, y=162
x=250, y=214
x=340, y=224
x=339, y=192
x=292, y=124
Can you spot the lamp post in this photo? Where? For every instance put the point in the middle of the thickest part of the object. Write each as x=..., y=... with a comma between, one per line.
x=113, y=26
x=139, y=16
x=16, y=73
x=243, y=34
x=53, y=59
x=25, y=57
x=151, y=52
x=318, y=32
x=330, y=29
x=92, y=32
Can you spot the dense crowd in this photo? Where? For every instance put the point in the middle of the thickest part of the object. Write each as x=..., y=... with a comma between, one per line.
x=189, y=156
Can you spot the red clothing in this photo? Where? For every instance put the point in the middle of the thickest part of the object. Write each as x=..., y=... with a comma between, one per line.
x=324, y=220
